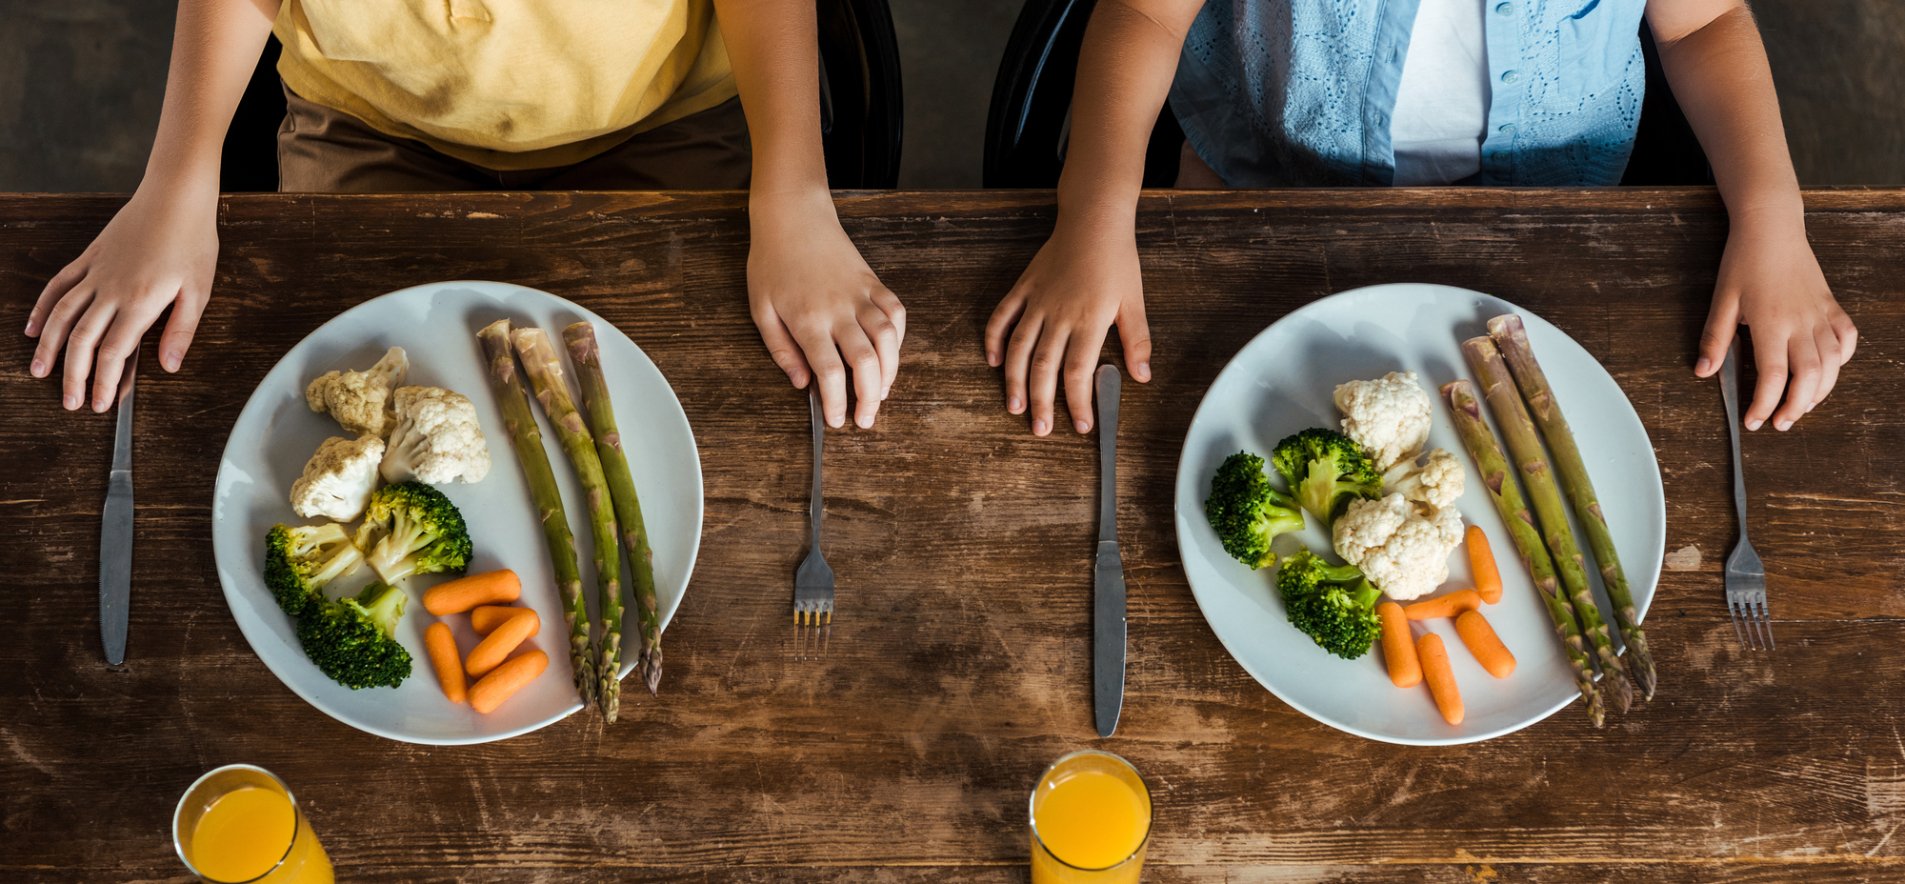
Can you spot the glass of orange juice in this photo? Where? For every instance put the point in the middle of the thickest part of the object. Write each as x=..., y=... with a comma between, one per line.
x=1090, y=821
x=239, y=824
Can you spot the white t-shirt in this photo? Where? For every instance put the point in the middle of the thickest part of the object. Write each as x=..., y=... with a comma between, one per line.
x=1441, y=111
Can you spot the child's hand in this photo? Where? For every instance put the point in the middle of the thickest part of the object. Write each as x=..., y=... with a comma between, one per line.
x=159, y=250
x=819, y=307
x=1770, y=282
x=1084, y=280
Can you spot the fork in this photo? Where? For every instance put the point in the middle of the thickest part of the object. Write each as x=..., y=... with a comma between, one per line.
x=813, y=580
x=1745, y=575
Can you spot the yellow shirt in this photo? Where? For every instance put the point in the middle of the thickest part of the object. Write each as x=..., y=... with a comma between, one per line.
x=507, y=84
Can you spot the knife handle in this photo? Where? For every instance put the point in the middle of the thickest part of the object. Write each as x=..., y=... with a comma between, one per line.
x=115, y=565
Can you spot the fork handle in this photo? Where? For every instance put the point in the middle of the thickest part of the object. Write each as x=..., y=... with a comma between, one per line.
x=1730, y=394
x=814, y=500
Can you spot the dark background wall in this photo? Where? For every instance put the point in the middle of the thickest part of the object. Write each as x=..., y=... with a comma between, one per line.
x=80, y=82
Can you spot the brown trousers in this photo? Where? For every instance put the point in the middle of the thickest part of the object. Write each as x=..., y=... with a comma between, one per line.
x=321, y=150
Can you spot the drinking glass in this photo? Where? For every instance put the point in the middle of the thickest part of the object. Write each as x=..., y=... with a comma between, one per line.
x=239, y=824
x=1090, y=821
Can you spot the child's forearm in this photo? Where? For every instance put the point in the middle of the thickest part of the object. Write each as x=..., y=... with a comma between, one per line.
x=1713, y=57
x=773, y=46
x=215, y=47
x=1125, y=68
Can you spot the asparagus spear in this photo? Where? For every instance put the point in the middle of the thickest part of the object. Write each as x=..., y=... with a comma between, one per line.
x=1512, y=339
x=526, y=437
x=1505, y=491
x=628, y=507
x=1518, y=430
x=544, y=368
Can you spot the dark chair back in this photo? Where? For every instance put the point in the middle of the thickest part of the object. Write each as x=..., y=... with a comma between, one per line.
x=1030, y=116
x=860, y=99
x=859, y=104
x=1032, y=97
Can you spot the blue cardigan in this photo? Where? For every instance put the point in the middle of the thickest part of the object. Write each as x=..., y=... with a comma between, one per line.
x=1300, y=92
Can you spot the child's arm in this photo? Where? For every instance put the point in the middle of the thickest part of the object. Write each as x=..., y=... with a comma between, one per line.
x=819, y=307
x=1086, y=278
x=1769, y=279
x=161, y=247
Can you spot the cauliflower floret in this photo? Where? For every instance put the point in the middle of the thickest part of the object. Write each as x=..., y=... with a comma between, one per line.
x=338, y=479
x=1436, y=483
x=1389, y=416
x=1402, y=547
x=359, y=400
x=436, y=439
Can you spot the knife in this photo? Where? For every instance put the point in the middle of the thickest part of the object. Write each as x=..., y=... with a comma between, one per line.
x=1107, y=609
x=115, y=531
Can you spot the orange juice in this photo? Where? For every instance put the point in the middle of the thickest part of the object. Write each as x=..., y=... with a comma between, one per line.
x=240, y=824
x=1091, y=817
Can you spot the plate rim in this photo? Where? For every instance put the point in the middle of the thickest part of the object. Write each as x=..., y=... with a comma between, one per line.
x=488, y=287
x=1180, y=525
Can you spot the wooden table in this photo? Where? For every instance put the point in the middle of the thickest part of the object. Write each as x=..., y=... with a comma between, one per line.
x=958, y=666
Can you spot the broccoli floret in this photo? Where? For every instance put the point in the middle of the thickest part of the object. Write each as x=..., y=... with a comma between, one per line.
x=1326, y=470
x=1247, y=512
x=353, y=640
x=411, y=528
x=301, y=561
x=1335, y=605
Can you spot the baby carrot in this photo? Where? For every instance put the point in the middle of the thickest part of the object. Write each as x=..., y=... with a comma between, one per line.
x=489, y=653
x=1398, y=647
x=442, y=647
x=1444, y=605
x=464, y=593
x=1481, y=563
x=491, y=690
x=1484, y=644
x=485, y=618
x=1435, y=670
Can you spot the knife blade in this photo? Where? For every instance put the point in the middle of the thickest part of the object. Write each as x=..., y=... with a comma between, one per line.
x=115, y=531
x=1108, y=590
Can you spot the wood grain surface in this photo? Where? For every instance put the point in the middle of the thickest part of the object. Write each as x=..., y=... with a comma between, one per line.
x=957, y=668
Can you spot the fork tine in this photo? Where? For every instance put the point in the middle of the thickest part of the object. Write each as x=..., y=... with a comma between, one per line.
x=1733, y=614
x=1766, y=622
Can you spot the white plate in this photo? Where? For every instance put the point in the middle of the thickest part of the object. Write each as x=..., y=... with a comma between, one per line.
x=1281, y=382
x=437, y=325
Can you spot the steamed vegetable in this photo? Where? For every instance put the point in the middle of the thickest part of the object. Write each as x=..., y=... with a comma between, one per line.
x=1437, y=482
x=1441, y=678
x=1398, y=646
x=1505, y=491
x=545, y=372
x=1484, y=644
x=1481, y=564
x=301, y=561
x=338, y=480
x=360, y=400
x=411, y=528
x=501, y=683
x=1444, y=606
x=1247, y=512
x=1326, y=470
x=442, y=647
x=1518, y=431
x=436, y=439
x=525, y=436
x=489, y=653
x=621, y=482
x=1403, y=547
x=1389, y=416
x=353, y=640
x=1512, y=339
x=465, y=593
x=1335, y=605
